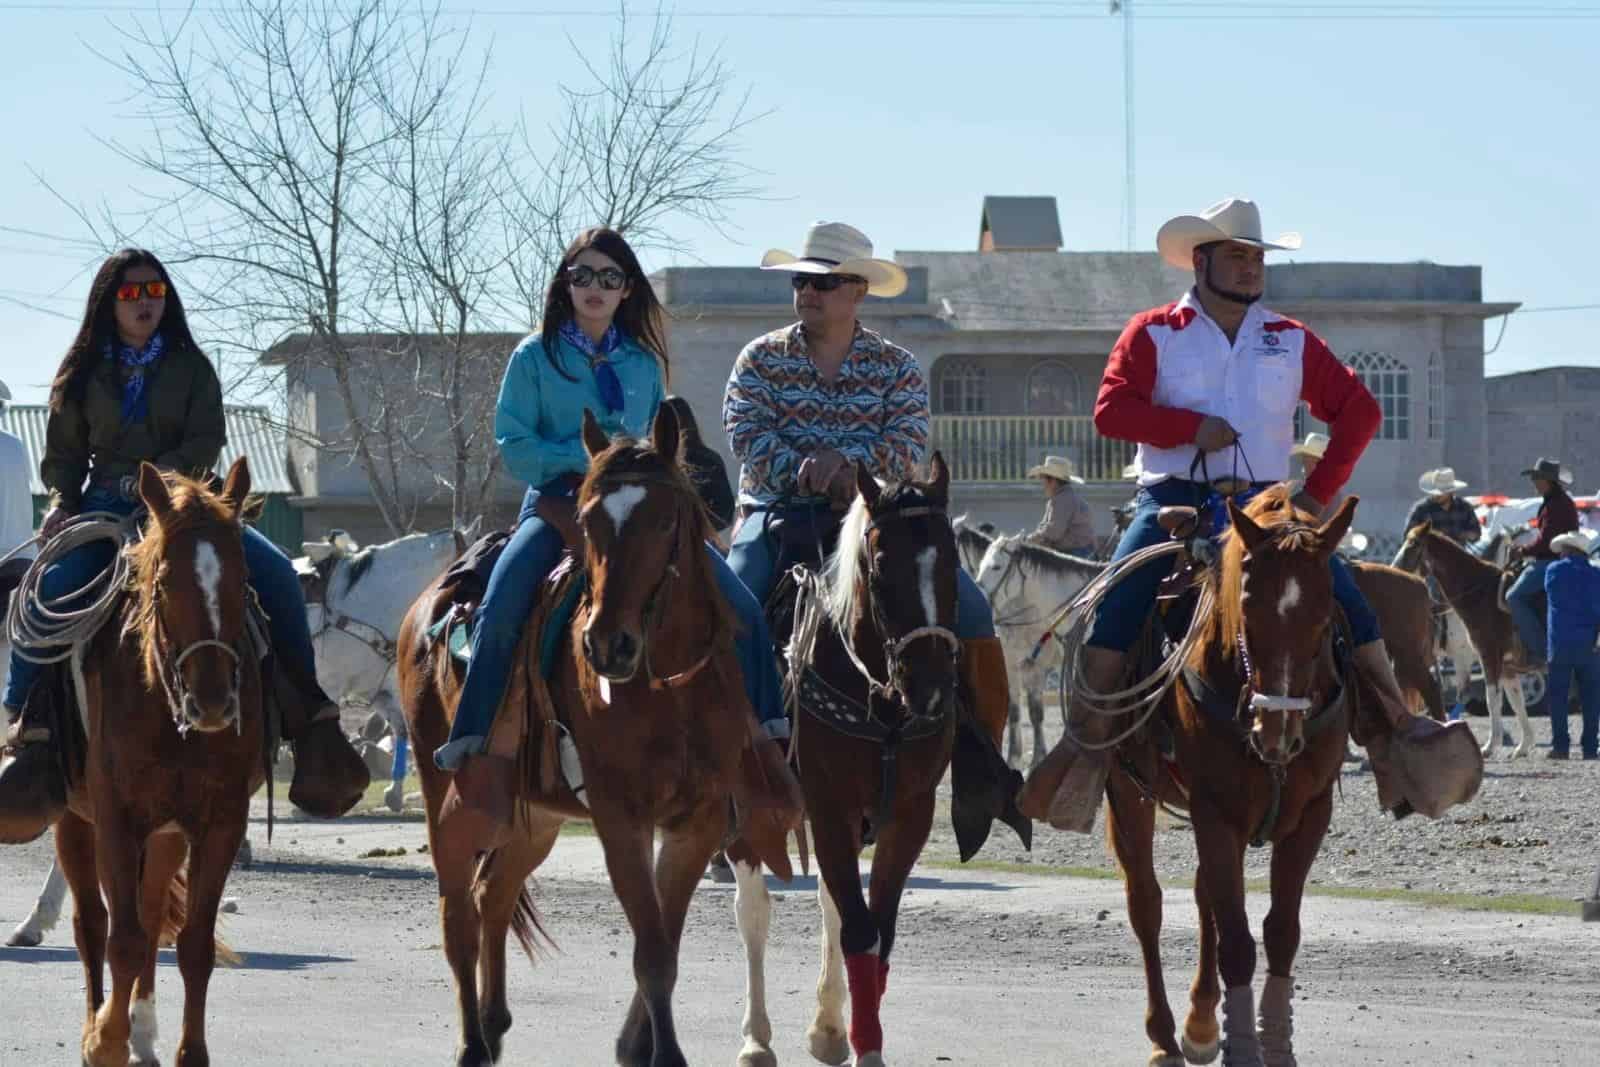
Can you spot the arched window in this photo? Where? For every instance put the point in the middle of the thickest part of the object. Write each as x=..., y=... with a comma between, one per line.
x=1052, y=390
x=1435, y=397
x=1389, y=381
x=962, y=387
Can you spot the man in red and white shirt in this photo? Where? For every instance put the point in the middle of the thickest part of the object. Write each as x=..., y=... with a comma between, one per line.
x=1207, y=386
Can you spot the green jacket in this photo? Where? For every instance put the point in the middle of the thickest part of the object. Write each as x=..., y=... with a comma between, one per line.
x=182, y=431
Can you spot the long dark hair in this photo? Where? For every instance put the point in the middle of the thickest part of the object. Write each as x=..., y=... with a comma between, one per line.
x=99, y=327
x=640, y=315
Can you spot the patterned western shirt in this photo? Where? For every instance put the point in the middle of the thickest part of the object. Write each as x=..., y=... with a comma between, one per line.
x=778, y=410
x=1456, y=520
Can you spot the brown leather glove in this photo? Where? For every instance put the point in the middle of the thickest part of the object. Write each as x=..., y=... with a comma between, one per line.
x=562, y=513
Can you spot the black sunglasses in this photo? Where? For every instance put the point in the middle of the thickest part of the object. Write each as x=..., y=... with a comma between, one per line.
x=581, y=277
x=822, y=283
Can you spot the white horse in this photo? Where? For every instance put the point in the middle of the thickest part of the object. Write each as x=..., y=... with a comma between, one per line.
x=1027, y=586
x=358, y=598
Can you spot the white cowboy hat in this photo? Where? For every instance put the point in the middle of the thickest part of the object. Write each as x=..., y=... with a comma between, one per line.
x=1057, y=467
x=1578, y=541
x=1439, y=481
x=1315, y=445
x=1130, y=473
x=834, y=248
x=1227, y=220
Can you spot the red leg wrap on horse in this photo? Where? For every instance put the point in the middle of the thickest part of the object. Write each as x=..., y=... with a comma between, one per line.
x=866, y=1033
x=883, y=978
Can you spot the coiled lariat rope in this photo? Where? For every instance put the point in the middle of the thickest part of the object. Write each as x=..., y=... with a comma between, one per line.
x=1140, y=700
x=47, y=632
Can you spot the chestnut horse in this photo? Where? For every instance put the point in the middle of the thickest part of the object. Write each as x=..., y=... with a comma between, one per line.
x=648, y=685
x=874, y=672
x=1257, y=741
x=173, y=719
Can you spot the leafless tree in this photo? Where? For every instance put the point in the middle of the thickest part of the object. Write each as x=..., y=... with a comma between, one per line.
x=328, y=179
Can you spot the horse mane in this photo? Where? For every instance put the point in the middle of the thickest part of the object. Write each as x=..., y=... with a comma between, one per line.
x=842, y=572
x=194, y=506
x=1293, y=531
x=628, y=456
x=1043, y=558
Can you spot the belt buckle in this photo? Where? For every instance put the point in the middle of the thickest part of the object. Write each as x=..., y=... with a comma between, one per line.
x=1229, y=486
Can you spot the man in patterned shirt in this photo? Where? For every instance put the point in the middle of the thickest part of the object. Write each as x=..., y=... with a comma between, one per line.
x=1442, y=509
x=805, y=403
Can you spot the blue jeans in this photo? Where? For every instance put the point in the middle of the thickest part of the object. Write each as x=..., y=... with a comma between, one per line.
x=268, y=571
x=752, y=558
x=1523, y=600
x=528, y=559
x=1584, y=663
x=1123, y=612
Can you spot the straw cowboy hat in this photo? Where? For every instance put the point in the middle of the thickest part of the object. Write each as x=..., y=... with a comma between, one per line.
x=1130, y=473
x=1057, y=467
x=1443, y=480
x=1549, y=470
x=834, y=248
x=1576, y=541
x=1315, y=445
x=1227, y=220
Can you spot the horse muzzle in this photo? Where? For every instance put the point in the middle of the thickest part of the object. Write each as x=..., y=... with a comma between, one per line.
x=1278, y=741
x=615, y=656
x=209, y=717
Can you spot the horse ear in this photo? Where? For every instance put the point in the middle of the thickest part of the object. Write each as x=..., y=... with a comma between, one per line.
x=236, y=487
x=595, y=440
x=1245, y=527
x=940, y=475
x=153, y=489
x=667, y=434
x=867, y=486
x=1333, y=531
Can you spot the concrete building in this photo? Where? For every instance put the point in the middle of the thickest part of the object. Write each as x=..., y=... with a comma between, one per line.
x=1552, y=411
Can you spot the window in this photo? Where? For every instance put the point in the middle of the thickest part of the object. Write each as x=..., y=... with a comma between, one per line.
x=1389, y=381
x=1052, y=390
x=961, y=388
x=1435, y=397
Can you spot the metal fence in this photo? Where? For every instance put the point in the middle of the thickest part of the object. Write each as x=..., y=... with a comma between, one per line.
x=1001, y=448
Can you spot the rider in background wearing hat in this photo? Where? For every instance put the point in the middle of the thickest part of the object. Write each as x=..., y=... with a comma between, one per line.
x=1573, y=587
x=1557, y=515
x=1442, y=509
x=1067, y=525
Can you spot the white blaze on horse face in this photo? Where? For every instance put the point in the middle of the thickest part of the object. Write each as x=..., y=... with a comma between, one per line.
x=619, y=504
x=925, y=561
x=1289, y=599
x=208, y=571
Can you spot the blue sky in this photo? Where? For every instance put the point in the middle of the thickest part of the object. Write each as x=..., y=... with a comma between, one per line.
x=1440, y=137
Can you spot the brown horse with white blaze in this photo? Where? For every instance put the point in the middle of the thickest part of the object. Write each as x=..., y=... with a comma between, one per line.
x=1258, y=737
x=173, y=719
x=647, y=683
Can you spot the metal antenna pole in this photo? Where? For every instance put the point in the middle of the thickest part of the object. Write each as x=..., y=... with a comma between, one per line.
x=1125, y=7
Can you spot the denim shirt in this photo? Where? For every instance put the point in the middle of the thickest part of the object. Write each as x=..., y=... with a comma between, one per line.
x=538, y=422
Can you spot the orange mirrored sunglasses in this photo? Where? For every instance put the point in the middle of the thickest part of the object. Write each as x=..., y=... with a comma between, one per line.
x=131, y=291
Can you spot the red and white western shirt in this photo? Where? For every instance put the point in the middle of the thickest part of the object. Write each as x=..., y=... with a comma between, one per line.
x=1173, y=366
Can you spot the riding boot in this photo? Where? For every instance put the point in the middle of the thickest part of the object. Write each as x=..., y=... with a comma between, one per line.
x=330, y=777
x=1421, y=765
x=984, y=786
x=1066, y=787
x=33, y=791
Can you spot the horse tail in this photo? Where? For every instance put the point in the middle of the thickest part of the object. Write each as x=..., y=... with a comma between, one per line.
x=177, y=916
x=528, y=926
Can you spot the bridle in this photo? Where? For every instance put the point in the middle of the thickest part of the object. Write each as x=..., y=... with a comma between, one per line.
x=169, y=670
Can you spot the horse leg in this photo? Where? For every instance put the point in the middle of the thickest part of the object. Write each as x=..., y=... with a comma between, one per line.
x=1221, y=851
x=1491, y=697
x=1131, y=826
x=826, y=1038
x=752, y=907
x=1201, y=1035
x=117, y=862
x=1014, y=724
x=1291, y=863
x=45, y=914
x=75, y=857
x=859, y=940
x=899, y=845
x=210, y=860
x=163, y=856
x=498, y=898
x=1519, y=704
x=647, y=1038
x=680, y=864
x=1036, y=716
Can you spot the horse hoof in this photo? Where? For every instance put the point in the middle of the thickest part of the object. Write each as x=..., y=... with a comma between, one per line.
x=1489, y=751
x=1521, y=753
x=1205, y=1053
x=828, y=1045
x=754, y=1055
x=1162, y=1059
x=23, y=937
x=872, y=1059
x=394, y=797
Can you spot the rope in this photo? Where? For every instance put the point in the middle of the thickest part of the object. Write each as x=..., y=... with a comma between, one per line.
x=48, y=632
x=1143, y=697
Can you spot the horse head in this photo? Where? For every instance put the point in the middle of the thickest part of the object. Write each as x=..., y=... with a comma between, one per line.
x=190, y=576
x=641, y=521
x=1276, y=602
x=892, y=582
x=1412, y=555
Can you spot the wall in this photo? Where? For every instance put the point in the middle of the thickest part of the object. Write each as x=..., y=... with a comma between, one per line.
x=1552, y=412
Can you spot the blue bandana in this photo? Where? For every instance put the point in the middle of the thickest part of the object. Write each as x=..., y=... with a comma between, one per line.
x=605, y=375
x=135, y=405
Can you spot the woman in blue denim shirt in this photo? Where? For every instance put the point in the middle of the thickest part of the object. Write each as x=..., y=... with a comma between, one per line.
x=599, y=348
